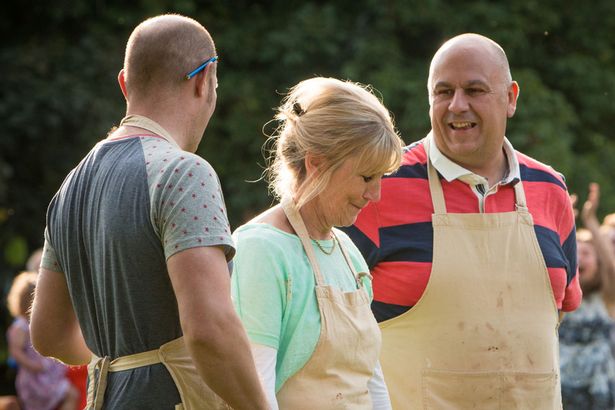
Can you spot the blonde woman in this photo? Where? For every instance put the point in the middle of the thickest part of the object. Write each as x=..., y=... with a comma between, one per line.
x=299, y=285
x=41, y=382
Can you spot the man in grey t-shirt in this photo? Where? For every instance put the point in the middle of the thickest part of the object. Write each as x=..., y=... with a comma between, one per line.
x=134, y=276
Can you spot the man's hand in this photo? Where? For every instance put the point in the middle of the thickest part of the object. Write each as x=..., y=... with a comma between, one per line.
x=590, y=207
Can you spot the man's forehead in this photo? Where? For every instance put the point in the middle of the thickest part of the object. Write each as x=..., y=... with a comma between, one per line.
x=466, y=67
x=476, y=82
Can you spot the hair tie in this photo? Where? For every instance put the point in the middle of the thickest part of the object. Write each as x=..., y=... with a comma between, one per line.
x=298, y=110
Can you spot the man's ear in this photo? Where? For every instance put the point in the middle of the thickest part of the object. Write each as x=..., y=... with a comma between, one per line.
x=121, y=78
x=202, y=80
x=513, y=95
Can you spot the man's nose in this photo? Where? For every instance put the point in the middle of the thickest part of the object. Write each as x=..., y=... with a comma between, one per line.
x=459, y=103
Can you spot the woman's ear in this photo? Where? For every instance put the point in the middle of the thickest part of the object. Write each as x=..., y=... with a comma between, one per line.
x=312, y=163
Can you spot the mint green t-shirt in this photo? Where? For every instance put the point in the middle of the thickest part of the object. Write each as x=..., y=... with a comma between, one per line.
x=273, y=290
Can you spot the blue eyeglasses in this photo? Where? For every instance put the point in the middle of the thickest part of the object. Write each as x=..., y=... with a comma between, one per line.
x=200, y=68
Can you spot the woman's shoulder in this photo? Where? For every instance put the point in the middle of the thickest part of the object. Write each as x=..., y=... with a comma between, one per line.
x=265, y=239
x=271, y=226
x=260, y=231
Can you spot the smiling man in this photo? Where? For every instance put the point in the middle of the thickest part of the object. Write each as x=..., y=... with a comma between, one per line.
x=472, y=249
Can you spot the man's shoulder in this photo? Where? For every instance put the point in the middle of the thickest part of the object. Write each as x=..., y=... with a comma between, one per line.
x=168, y=161
x=533, y=170
x=414, y=154
x=413, y=162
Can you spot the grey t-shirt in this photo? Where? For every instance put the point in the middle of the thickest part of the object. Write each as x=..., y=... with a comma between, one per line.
x=119, y=215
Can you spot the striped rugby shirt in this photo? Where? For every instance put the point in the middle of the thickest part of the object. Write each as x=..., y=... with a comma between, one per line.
x=395, y=235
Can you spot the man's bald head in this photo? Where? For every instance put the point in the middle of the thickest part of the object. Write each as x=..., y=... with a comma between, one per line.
x=162, y=50
x=471, y=43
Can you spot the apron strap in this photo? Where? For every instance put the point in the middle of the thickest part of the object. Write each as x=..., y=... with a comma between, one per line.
x=437, y=195
x=97, y=386
x=435, y=187
x=294, y=217
x=357, y=277
x=520, y=197
x=140, y=121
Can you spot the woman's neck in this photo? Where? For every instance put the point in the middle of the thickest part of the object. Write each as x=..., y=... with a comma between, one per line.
x=314, y=221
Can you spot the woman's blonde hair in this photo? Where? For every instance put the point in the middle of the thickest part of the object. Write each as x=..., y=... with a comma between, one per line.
x=332, y=120
x=21, y=294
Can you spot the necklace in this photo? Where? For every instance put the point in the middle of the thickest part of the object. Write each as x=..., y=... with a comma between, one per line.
x=326, y=252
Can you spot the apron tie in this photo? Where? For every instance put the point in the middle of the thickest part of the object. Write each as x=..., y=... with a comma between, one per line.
x=102, y=364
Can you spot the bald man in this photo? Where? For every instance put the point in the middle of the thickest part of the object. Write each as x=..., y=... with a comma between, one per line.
x=472, y=250
x=134, y=277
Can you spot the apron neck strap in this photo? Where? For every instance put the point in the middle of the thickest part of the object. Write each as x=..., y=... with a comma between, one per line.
x=140, y=121
x=520, y=197
x=435, y=187
x=294, y=217
x=355, y=275
x=437, y=196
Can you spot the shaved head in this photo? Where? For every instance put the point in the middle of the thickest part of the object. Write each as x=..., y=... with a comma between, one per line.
x=162, y=50
x=471, y=42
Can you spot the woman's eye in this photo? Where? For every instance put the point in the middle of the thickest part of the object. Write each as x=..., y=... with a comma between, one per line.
x=367, y=178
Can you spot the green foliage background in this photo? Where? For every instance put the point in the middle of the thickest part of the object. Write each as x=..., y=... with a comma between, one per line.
x=59, y=96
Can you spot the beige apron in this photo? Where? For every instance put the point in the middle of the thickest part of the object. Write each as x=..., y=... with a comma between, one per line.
x=174, y=355
x=484, y=333
x=337, y=373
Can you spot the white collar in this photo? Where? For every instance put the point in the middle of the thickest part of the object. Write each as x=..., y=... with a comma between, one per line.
x=451, y=171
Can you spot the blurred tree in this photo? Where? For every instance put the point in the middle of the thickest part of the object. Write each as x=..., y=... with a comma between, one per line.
x=60, y=60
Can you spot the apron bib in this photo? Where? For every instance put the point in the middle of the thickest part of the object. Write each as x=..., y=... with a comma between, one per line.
x=337, y=373
x=174, y=355
x=484, y=333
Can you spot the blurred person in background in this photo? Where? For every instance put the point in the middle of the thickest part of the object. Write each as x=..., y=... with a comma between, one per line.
x=608, y=229
x=33, y=263
x=41, y=382
x=586, y=360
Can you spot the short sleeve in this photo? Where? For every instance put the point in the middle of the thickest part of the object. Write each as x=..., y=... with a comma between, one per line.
x=49, y=260
x=259, y=287
x=188, y=207
x=567, y=233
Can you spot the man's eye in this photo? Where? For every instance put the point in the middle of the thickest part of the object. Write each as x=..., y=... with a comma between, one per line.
x=443, y=92
x=475, y=91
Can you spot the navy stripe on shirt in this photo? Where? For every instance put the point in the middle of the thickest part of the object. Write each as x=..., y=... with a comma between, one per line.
x=410, y=171
x=537, y=175
x=407, y=243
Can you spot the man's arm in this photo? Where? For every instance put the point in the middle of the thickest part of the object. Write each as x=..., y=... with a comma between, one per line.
x=212, y=330
x=54, y=327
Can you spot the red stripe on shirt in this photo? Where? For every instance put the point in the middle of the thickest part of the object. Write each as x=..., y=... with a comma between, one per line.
x=400, y=283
